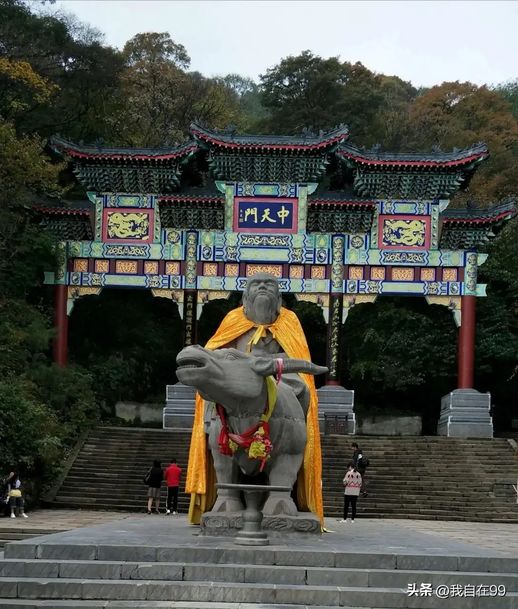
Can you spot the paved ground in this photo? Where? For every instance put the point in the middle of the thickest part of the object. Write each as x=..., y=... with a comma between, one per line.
x=61, y=520
x=493, y=536
x=364, y=536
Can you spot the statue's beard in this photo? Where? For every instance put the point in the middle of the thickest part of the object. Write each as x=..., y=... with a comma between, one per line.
x=263, y=309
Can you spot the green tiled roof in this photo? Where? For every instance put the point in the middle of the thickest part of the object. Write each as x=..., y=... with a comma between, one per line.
x=272, y=143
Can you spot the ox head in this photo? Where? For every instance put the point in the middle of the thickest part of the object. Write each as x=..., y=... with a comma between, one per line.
x=228, y=376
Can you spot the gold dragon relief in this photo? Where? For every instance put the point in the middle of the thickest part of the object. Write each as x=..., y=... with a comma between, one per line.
x=123, y=225
x=408, y=233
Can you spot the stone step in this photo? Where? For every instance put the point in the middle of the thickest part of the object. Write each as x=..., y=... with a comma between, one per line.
x=379, y=499
x=261, y=574
x=202, y=591
x=263, y=555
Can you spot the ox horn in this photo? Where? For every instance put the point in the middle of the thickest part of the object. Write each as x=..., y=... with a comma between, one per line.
x=302, y=365
x=266, y=366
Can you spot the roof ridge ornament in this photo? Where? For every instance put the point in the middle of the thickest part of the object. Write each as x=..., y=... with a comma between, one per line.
x=308, y=132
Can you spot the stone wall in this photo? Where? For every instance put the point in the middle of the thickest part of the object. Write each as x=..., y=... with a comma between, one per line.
x=135, y=412
x=385, y=425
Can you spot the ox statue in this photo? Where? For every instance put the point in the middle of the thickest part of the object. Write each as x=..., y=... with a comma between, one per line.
x=238, y=384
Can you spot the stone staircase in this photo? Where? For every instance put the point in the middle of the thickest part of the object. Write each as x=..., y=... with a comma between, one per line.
x=431, y=478
x=414, y=477
x=108, y=471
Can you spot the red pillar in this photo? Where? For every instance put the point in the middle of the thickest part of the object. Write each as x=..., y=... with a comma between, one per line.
x=60, y=346
x=466, y=347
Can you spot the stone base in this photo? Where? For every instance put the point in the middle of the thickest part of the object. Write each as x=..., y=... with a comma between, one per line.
x=465, y=413
x=384, y=425
x=336, y=400
x=227, y=524
x=179, y=410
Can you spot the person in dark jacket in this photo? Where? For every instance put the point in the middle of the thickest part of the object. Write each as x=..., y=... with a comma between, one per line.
x=357, y=460
x=153, y=479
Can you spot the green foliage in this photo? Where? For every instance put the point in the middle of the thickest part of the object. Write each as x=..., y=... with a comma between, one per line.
x=497, y=327
x=399, y=351
x=69, y=395
x=42, y=408
x=128, y=340
x=212, y=315
x=509, y=91
x=24, y=170
x=71, y=60
x=161, y=99
x=309, y=91
x=144, y=51
x=24, y=337
x=29, y=432
x=461, y=114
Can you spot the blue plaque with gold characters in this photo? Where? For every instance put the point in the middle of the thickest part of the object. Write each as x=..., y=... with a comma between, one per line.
x=265, y=215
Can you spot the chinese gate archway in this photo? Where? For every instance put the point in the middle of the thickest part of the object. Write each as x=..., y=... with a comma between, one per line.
x=156, y=221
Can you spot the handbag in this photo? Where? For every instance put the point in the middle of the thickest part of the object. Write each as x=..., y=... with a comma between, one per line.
x=147, y=477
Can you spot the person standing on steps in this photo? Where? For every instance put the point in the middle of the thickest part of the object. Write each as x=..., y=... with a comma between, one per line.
x=172, y=477
x=359, y=463
x=153, y=479
x=352, y=484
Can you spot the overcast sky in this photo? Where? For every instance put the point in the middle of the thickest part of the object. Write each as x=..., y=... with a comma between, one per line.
x=424, y=42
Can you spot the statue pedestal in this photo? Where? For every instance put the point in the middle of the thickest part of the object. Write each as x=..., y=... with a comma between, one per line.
x=465, y=413
x=336, y=400
x=251, y=527
x=229, y=524
x=179, y=409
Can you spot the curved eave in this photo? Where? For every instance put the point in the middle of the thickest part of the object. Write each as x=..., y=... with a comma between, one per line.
x=398, y=164
x=91, y=153
x=323, y=144
x=57, y=211
x=478, y=221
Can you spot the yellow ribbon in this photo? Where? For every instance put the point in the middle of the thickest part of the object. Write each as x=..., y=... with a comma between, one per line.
x=271, y=388
x=259, y=333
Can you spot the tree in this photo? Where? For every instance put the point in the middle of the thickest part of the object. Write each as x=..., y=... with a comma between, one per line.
x=21, y=88
x=459, y=115
x=161, y=98
x=387, y=127
x=128, y=343
x=308, y=91
x=70, y=58
x=146, y=52
x=497, y=325
x=509, y=91
x=24, y=172
x=399, y=354
x=252, y=114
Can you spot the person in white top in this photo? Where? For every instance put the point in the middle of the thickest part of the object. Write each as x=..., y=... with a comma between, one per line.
x=352, y=484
